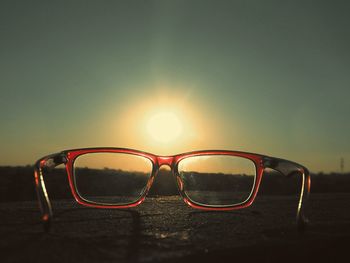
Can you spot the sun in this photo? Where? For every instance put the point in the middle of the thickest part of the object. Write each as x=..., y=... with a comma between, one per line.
x=164, y=127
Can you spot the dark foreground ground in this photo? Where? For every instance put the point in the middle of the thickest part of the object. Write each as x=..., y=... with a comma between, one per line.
x=164, y=229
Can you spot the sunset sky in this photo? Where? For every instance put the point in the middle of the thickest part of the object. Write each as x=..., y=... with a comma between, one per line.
x=271, y=77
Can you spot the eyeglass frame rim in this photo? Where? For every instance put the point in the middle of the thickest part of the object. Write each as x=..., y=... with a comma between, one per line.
x=158, y=161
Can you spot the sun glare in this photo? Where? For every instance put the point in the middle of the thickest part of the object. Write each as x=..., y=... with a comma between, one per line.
x=164, y=127
x=164, y=124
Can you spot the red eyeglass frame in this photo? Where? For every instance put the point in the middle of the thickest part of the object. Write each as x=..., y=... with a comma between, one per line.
x=261, y=162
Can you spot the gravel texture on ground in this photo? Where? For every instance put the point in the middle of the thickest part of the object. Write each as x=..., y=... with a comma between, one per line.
x=165, y=229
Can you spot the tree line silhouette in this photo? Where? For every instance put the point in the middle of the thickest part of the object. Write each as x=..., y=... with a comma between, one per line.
x=17, y=183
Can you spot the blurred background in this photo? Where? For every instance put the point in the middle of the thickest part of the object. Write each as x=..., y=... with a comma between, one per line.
x=174, y=76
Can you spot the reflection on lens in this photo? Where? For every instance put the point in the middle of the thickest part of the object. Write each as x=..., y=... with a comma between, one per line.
x=217, y=180
x=111, y=178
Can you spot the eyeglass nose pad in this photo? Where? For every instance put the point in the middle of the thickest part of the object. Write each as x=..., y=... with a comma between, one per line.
x=150, y=182
x=180, y=183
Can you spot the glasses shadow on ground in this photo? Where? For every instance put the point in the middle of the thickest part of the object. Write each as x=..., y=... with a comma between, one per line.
x=81, y=229
x=133, y=236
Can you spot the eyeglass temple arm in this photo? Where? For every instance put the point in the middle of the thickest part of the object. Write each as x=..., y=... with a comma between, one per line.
x=46, y=163
x=289, y=169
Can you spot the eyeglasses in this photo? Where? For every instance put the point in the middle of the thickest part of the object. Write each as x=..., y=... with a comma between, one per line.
x=214, y=180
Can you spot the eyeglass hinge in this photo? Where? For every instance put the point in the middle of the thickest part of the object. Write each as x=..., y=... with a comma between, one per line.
x=269, y=162
x=56, y=160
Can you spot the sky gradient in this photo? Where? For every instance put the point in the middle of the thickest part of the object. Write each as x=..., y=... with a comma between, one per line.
x=270, y=77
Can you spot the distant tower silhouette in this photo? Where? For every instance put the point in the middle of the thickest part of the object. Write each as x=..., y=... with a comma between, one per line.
x=342, y=165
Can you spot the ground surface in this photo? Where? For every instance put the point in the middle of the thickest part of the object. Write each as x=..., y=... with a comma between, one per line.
x=164, y=229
